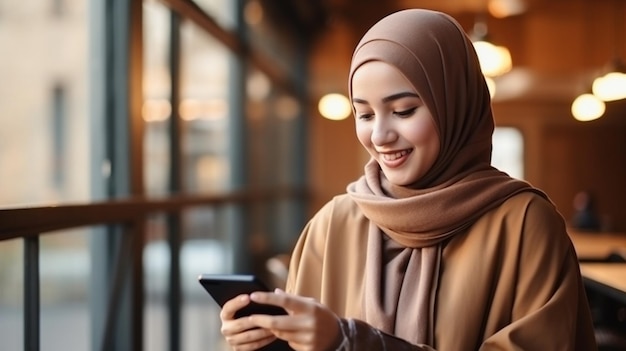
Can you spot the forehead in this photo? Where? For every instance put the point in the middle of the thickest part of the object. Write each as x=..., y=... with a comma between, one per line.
x=379, y=78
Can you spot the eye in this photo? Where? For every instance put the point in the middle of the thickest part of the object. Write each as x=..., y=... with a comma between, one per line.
x=405, y=113
x=364, y=116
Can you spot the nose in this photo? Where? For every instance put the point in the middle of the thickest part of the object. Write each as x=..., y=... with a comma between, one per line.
x=383, y=132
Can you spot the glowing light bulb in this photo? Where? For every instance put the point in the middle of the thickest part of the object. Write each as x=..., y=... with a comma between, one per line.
x=334, y=107
x=494, y=60
x=587, y=107
x=610, y=87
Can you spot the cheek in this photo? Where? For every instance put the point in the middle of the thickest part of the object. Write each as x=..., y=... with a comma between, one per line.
x=364, y=134
x=421, y=131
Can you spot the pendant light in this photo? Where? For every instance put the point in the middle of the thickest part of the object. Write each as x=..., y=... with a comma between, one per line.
x=587, y=107
x=494, y=60
x=334, y=106
x=608, y=87
x=612, y=85
x=506, y=8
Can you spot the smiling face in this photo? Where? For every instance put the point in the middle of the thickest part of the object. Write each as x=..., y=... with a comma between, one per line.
x=393, y=123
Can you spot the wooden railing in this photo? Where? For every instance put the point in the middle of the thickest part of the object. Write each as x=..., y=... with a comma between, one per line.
x=31, y=223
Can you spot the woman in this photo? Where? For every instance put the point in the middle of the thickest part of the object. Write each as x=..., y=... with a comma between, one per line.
x=432, y=248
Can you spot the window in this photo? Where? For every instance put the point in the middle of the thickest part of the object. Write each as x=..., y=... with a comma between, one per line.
x=508, y=151
x=70, y=133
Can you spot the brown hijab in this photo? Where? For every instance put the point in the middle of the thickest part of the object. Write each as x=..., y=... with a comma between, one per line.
x=434, y=53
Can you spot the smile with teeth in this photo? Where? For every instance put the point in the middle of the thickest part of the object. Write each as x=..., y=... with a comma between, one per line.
x=396, y=155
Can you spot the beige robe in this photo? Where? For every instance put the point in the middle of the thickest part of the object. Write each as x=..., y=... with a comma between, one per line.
x=509, y=282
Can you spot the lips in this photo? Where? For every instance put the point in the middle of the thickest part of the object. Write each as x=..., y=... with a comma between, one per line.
x=395, y=159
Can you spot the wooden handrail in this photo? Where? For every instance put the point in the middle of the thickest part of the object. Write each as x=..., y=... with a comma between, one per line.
x=24, y=222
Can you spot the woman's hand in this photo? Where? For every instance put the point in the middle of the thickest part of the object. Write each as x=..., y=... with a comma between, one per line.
x=242, y=334
x=308, y=326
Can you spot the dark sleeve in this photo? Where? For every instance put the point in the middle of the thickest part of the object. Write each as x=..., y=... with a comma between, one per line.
x=359, y=335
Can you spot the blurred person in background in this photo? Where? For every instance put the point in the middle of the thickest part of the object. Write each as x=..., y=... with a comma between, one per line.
x=585, y=216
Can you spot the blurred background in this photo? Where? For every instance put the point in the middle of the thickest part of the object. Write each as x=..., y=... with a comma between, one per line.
x=208, y=127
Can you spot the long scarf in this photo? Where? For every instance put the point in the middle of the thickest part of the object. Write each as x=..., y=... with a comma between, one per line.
x=405, y=243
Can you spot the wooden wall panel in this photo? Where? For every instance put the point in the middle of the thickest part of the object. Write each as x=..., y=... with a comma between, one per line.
x=561, y=155
x=587, y=158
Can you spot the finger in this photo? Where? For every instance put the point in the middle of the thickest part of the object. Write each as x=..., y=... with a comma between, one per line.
x=287, y=301
x=256, y=345
x=251, y=339
x=283, y=323
x=237, y=326
x=233, y=305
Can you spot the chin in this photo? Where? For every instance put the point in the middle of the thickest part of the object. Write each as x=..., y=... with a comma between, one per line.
x=402, y=179
x=402, y=184
x=399, y=181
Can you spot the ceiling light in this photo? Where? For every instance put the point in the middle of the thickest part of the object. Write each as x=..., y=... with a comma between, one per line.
x=494, y=60
x=334, y=107
x=506, y=8
x=611, y=86
x=587, y=107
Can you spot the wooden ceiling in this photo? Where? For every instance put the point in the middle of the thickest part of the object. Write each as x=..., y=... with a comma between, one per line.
x=557, y=46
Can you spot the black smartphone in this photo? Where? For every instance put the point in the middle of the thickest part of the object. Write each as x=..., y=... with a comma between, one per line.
x=223, y=287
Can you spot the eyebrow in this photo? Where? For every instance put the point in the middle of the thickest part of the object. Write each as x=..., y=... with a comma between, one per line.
x=389, y=98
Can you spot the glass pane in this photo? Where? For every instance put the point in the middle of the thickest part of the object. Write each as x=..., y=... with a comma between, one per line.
x=206, y=249
x=156, y=264
x=272, y=135
x=157, y=89
x=222, y=11
x=202, y=325
x=204, y=110
x=11, y=294
x=44, y=122
x=202, y=251
x=274, y=38
x=65, y=273
x=260, y=93
x=508, y=151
